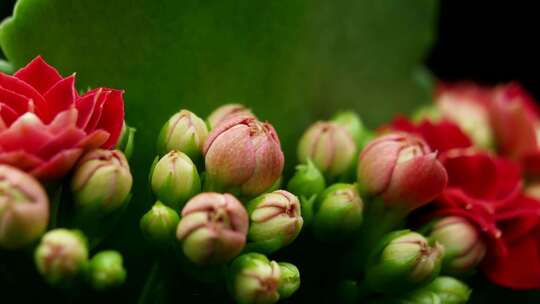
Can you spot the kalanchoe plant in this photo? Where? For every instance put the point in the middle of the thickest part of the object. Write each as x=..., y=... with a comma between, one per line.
x=184, y=132
x=225, y=112
x=307, y=181
x=449, y=290
x=243, y=155
x=338, y=212
x=213, y=228
x=158, y=225
x=402, y=261
x=24, y=208
x=254, y=279
x=464, y=248
x=45, y=126
x=175, y=179
x=106, y=270
x=402, y=169
x=330, y=146
x=62, y=255
x=275, y=221
x=102, y=181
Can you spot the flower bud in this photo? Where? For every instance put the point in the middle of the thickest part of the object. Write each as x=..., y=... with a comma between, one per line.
x=449, y=290
x=61, y=255
x=24, y=208
x=354, y=125
x=420, y=296
x=175, y=179
x=289, y=280
x=126, y=141
x=243, y=154
x=463, y=246
x=158, y=226
x=402, y=261
x=184, y=132
x=307, y=181
x=275, y=221
x=338, y=213
x=254, y=279
x=213, y=228
x=402, y=169
x=330, y=146
x=106, y=270
x=225, y=112
x=102, y=181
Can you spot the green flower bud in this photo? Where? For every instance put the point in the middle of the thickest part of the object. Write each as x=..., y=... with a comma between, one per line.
x=158, y=225
x=175, y=179
x=420, y=296
x=102, y=181
x=213, y=228
x=449, y=290
x=307, y=181
x=106, y=270
x=338, y=212
x=275, y=221
x=226, y=112
x=61, y=255
x=184, y=132
x=352, y=122
x=126, y=141
x=253, y=279
x=331, y=148
x=464, y=249
x=403, y=260
x=24, y=208
x=289, y=280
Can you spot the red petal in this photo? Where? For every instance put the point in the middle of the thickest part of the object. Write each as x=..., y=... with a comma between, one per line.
x=85, y=106
x=60, y=97
x=22, y=88
x=68, y=139
x=101, y=97
x=26, y=133
x=58, y=166
x=95, y=140
x=62, y=121
x=39, y=74
x=20, y=159
x=17, y=102
x=7, y=115
x=112, y=118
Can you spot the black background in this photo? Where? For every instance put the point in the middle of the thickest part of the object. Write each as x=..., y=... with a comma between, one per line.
x=486, y=42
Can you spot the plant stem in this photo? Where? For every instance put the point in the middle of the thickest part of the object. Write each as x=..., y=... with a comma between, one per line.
x=150, y=285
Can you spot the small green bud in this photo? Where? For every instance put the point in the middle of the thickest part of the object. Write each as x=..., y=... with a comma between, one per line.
x=61, y=255
x=420, y=296
x=102, y=181
x=403, y=261
x=275, y=221
x=338, y=212
x=126, y=141
x=213, y=228
x=175, y=179
x=184, y=132
x=253, y=279
x=307, y=181
x=158, y=225
x=449, y=290
x=464, y=248
x=289, y=280
x=106, y=270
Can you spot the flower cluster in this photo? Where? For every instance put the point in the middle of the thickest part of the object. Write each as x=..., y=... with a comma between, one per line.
x=61, y=186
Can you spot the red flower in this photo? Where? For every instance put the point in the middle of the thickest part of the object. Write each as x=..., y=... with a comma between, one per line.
x=45, y=126
x=440, y=136
x=515, y=120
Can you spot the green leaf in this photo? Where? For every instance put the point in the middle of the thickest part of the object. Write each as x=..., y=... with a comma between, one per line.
x=291, y=61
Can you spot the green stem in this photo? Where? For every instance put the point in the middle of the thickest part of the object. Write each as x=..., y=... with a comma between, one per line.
x=54, y=192
x=150, y=286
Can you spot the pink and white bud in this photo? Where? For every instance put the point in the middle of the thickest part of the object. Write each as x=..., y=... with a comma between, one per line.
x=330, y=146
x=402, y=169
x=243, y=154
x=24, y=208
x=226, y=112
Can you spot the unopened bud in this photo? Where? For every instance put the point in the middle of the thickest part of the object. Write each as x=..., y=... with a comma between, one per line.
x=106, y=270
x=184, y=132
x=226, y=112
x=307, y=181
x=158, y=225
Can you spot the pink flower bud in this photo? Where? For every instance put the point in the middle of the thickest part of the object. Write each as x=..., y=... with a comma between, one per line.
x=225, y=112
x=244, y=153
x=401, y=169
x=213, y=228
x=330, y=146
x=24, y=208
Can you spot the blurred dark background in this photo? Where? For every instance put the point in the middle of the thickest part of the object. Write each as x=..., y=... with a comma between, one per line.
x=484, y=42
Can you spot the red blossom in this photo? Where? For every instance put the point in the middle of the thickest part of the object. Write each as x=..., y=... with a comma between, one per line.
x=45, y=126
